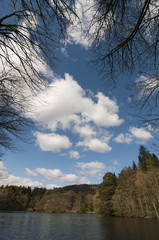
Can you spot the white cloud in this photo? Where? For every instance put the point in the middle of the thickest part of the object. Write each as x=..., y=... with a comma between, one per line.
x=18, y=181
x=84, y=131
x=78, y=33
x=49, y=173
x=140, y=134
x=52, y=142
x=69, y=178
x=91, y=168
x=84, y=114
x=9, y=179
x=59, y=110
x=96, y=145
x=74, y=154
x=104, y=113
x=124, y=138
x=84, y=180
x=30, y=173
x=57, y=175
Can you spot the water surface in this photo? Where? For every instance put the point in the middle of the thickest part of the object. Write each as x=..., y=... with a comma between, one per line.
x=46, y=226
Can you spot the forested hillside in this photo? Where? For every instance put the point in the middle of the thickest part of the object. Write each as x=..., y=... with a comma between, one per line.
x=134, y=193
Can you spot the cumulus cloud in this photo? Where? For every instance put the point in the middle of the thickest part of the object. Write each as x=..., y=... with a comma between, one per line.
x=30, y=173
x=59, y=110
x=141, y=134
x=124, y=138
x=91, y=168
x=57, y=175
x=86, y=115
x=74, y=154
x=84, y=131
x=52, y=142
x=96, y=145
x=9, y=179
x=49, y=174
x=105, y=112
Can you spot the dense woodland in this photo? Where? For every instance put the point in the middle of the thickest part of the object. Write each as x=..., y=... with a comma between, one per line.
x=76, y=198
x=134, y=193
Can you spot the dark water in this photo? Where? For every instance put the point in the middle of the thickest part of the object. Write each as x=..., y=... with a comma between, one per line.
x=37, y=226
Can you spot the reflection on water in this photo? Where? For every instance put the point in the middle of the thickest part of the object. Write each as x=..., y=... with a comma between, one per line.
x=32, y=226
x=130, y=228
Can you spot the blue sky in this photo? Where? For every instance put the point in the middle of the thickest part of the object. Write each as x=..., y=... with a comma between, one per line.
x=82, y=128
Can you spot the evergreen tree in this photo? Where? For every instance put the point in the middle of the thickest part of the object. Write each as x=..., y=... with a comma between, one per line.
x=134, y=165
x=153, y=161
x=143, y=157
x=106, y=191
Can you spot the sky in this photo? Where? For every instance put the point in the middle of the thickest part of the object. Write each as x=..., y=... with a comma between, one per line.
x=82, y=129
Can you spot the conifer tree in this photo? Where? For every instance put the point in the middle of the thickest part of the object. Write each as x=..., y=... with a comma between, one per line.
x=134, y=165
x=143, y=157
x=106, y=191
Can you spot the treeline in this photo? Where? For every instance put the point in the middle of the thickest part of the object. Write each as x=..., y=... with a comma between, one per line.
x=20, y=198
x=135, y=193
x=76, y=198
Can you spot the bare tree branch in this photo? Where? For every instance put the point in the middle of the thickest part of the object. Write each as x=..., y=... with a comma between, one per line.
x=126, y=38
x=30, y=34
